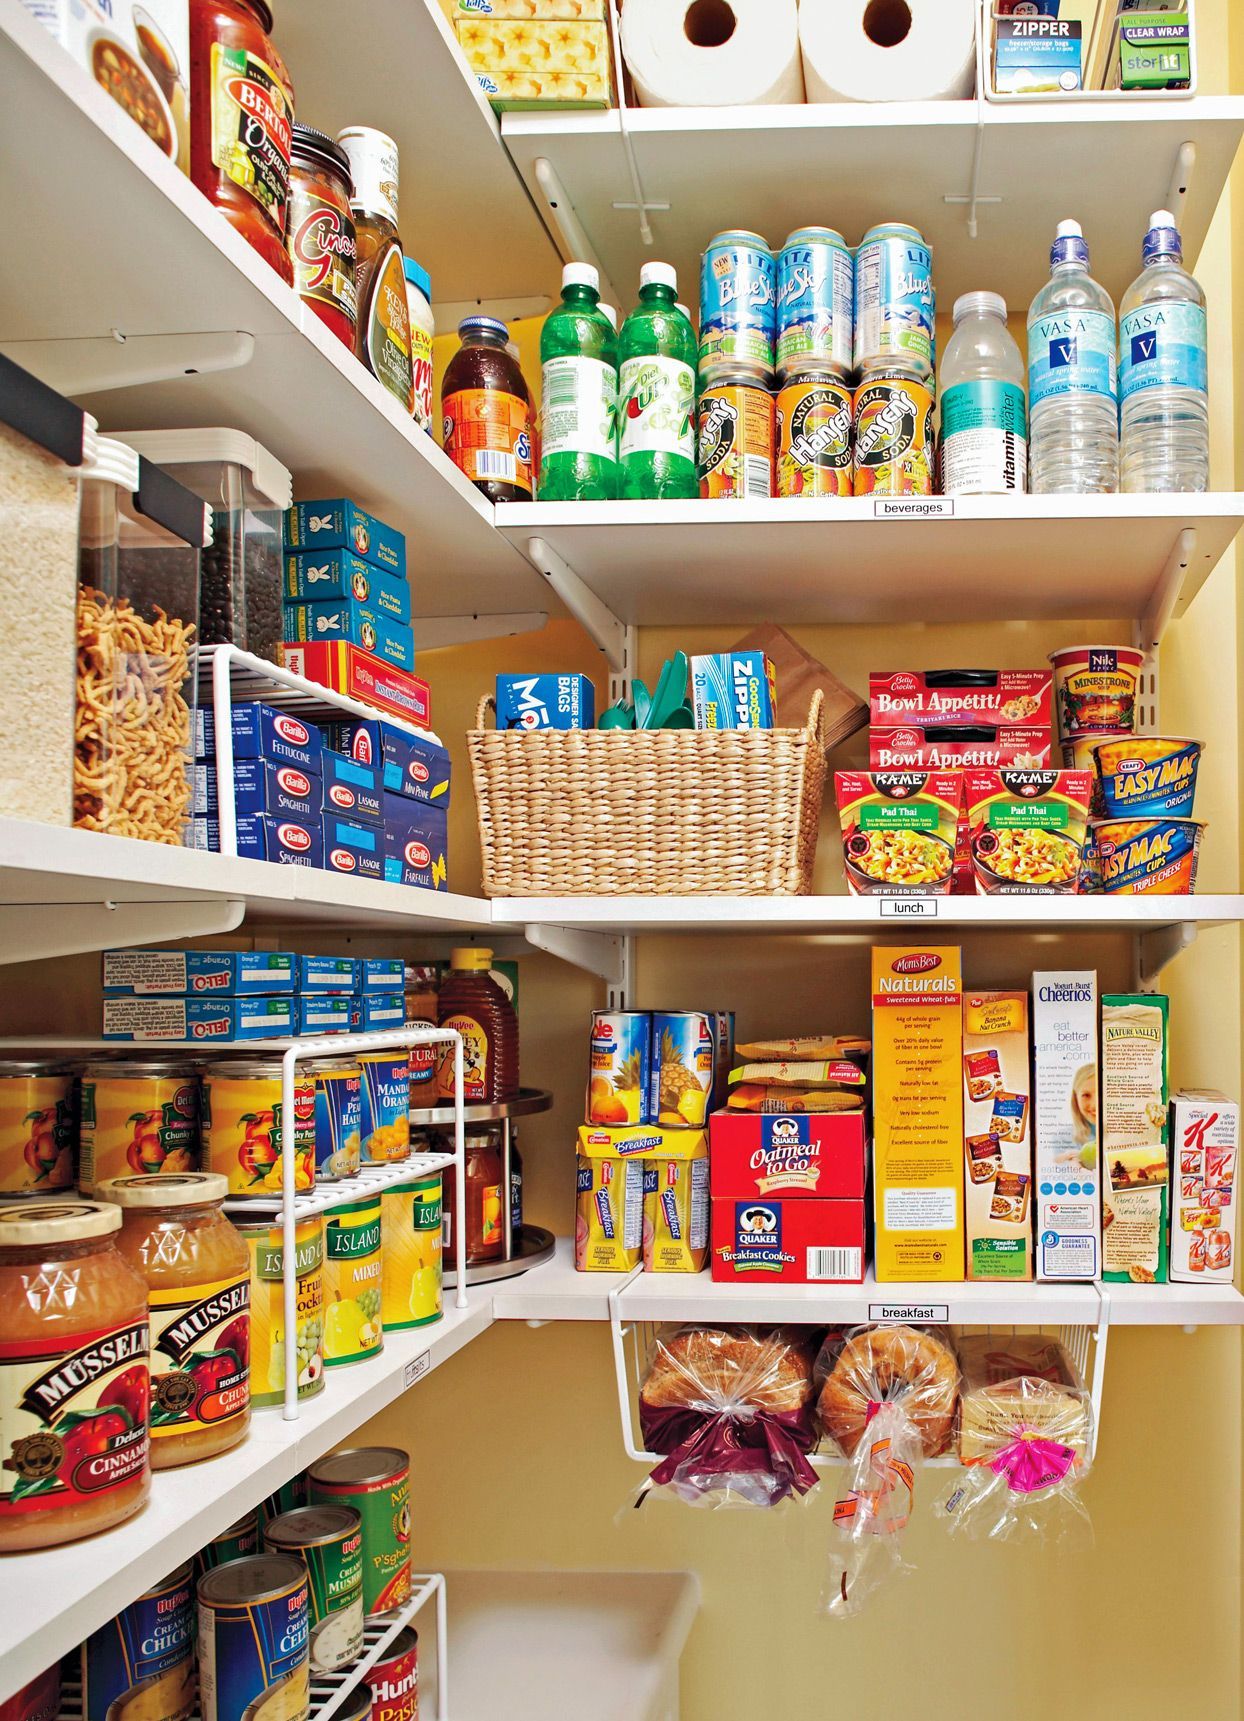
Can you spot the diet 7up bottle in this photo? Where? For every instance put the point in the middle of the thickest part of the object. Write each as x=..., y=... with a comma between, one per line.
x=656, y=393
x=578, y=395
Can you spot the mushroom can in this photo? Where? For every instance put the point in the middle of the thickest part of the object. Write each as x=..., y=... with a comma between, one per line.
x=329, y=1540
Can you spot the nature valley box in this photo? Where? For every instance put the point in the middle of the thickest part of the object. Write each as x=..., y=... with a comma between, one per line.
x=917, y=996
x=997, y=1134
x=1135, y=1138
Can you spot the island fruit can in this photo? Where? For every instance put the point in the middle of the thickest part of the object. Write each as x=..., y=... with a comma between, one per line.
x=394, y=1680
x=814, y=423
x=338, y=1118
x=738, y=306
x=734, y=443
x=254, y=1627
x=894, y=302
x=145, y=1656
x=243, y=1131
x=375, y=1480
x=618, y=1070
x=410, y=1229
x=815, y=304
x=234, y=1543
x=352, y=1282
x=37, y=1127
x=329, y=1541
x=893, y=435
x=137, y=1116
x=385, y=1128
x=266, y=1242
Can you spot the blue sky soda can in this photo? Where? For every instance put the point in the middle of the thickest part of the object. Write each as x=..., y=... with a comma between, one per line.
x=894, y=302
x=815, y=303
x=738, y=305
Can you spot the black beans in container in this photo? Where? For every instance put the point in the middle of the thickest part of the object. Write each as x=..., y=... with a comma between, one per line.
x=240, y=602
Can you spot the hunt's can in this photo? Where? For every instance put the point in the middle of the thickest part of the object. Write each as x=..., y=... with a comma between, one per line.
x=684, y=1045
x=676, y=1214
x=147, y=1651
x=37, y=1127
x=234, y=1543
x=254, y=1625
x=375, y=1480
x=814, y=417
x=352, y=1281
x=137, y=1116
x=815, y=304
x=385, y=1128
x=738, y=306
x=894, y=301
x=609, y=1215
x=893, y=435
x=619, y=1064
x=338, y=1117
x=734, y=446
x=329, y=1540
x=394, y=1680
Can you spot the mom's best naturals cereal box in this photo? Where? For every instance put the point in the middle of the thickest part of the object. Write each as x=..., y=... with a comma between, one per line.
x=1068, y=1179
x=1135, y=1138
x=997, y=1133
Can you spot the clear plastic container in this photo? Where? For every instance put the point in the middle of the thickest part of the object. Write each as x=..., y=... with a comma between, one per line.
x=248, y=491
x=1163, y=371
x=1073, y=391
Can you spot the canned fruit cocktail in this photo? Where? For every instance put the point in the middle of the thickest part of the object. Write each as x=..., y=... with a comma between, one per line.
x=385, y=1127
x=410, y=1229
x=37, y=1127
x=683, y=1052
x=137, y=1116
x=338, y=1117
x=1096, y=688
x=735, y=441
x=815, y=304
x=254, y=1628
x=609, y=1213
x=243, y=1130
x=894, y=301
x=815, y=418
x=352, y=1282
x=265, y=1240
x=1155, y=856
x=375, y=1480
x=329, y=1541
x=893, y=436
x=619, y=1065
x=738, y=305
x=1142, y=776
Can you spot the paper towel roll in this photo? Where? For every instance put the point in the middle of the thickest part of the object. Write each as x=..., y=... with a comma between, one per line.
x=888, y=50
x=712, y=53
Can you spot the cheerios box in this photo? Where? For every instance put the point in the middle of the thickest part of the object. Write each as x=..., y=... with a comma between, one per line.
x=1135, y=1137
x=1068, y=1179
x=917, y=1015
x=997, y=1135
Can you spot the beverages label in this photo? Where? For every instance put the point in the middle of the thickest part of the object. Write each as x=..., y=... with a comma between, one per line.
x=1162, y=346
x=252, y=129
x=984, y=445
x=578, y=407
x=657, y=406
x=1072, y=353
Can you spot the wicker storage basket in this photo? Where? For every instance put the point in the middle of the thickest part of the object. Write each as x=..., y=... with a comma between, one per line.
x=623, y=812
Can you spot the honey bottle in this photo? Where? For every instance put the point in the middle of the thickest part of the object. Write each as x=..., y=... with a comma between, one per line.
x=472, y=1002
x=382, y=333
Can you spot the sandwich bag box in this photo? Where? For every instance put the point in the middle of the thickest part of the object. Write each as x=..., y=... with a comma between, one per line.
x=997, y=1135
x=1205, y=1145
x=1135, y=1140
x=801, y=1156
x=1067, y=1162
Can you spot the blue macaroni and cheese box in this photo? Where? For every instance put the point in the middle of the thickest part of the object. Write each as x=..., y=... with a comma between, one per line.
x=545, y=702
x=414, y=765
x=178, y=973
x=339, y=575
x=362, y=625
x=340, y=524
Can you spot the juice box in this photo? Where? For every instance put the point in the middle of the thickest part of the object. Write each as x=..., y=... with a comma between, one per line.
x=917, y=993
x=675, y=1231
x=1135, y=1138
x=787, y=1242
x=684, y=1056
x=179, y=973
x=609, y=1215
x=340, y=524
x=997, y=1131
x=342, y=575
x=545, y=702
x=1064, y=1045
x=761, y=1156
x=1205, y=1139
x=619, y=1068
x=733, y=690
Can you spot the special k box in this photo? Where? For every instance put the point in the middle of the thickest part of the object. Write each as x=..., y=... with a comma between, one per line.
x=997, y=1135
x=917, y=993
x=1205, y=1136
x=804, y=1156
x=787, y=1242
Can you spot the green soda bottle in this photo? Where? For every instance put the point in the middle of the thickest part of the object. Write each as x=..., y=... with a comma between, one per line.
x=578, y=395
x=656, y=394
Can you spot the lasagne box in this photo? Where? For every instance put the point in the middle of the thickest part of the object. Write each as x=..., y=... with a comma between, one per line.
x=416, y=843
x=188, y=973
x=340, y=575
x=917, y=1016
x=340, y=524
x=1135, y=1138
x=382, y=974
x=997, y=1136
x=199, y=1018
x=786, y=1242
x=928, y=699
x=350, y=788
x=351, y=847
x=801, y=1156
x=356, y=624
x=1205, y=1143
x=346, y=668
x=320, y=974
x=287, y=842
x=413, y=765
x=261, y=732
x=1064, y=1059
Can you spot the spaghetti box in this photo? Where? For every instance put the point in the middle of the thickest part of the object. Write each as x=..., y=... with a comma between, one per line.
x=377, y=1010
x=182, y=973
x=359, y=624
x=350, y=788
x=261, y=1018
x=326, y=1014
x=733, y=690
x=342, y=525
x=382, y=974
x=260, y=732
x=283, y=791
x=288, y=842
x=345, y=668
x=800, y=1156
x=1035, y=55
x=351, y=847
x=321, y=974
x=414, y=765
x=415, y=843
x=339, y=574
x=545, y=702
x=778, y=1241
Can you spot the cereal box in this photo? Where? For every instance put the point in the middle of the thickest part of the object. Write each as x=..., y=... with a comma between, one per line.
x=923, y=699
x=917, y=994
x=1026, y=830
x=1135, y=1141
x=1205, y=1141
x=898, y=830
x=1068, y=1211
x=762, y=1156
x=997, y=1135
x=765, y=1242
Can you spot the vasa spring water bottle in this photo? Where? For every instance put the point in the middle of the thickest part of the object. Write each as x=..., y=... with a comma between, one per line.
x=1073, y=410
x=1163, y=374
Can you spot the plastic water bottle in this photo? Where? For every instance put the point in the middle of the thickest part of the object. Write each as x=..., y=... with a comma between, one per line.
x=656, y=393
x=1163, y=372
x=578, y=395
x=1073, y=405
x=984, y=416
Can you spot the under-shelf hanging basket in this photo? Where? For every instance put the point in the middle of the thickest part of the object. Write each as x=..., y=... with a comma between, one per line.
x=663, y=812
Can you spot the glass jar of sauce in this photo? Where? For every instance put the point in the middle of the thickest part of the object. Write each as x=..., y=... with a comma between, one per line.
x=241, y=122
x=485, y=1192
x=74, y=1447
x=486, y=413
x=382, y=338
x=321, y=231
x=198, y=1274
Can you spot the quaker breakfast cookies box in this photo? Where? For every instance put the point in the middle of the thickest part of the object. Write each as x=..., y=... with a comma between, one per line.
x=997, y=1135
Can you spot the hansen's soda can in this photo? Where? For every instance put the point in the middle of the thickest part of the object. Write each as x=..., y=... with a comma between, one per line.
x=893, y=435
x=738, y=306
x=735, y=442
x=814, y=418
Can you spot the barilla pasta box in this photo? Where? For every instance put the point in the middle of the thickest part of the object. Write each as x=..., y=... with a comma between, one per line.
x=997, y=1135
x=733, y=690
x=545, y=702
x=1135, y=1137
x=796, y=1157
x=1064, y=1092
x=261, y=732
x=925, y=699
x=199, y=1018
x=346, y=668
x=343, y=577
x=355, y=624
x=342, y=525
x=609, y=1215
x=327, y=974
x=952, y=747
x=1205, y=1144
x=382, y=974
x=328, y=1013
x=351, y=788
x=917, y=1018
x=289, y=842
x=262, y=786
x=776, y=1241
x=351, y=847
x=372, y=1010
x=416, y=843
x=675, y=1229
x=187, y=973
x=417, y=766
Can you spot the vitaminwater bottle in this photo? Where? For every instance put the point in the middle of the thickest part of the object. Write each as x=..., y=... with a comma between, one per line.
x=984, y=419
x=578, y=395
x=656, y=394
x=1073, y=406
x=1163, y=373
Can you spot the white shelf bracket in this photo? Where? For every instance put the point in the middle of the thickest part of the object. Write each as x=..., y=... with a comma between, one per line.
x=597, y=953
x=1181, y=181
x=583, y=604
x=98, y=363
x=1165, y=596
x=36, y=931
x=438, y=631
x=574, y=243
x=1156, y=948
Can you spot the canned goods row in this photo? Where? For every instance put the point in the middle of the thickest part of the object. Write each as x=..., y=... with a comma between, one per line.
x=661, y=1067
x=817, y=307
